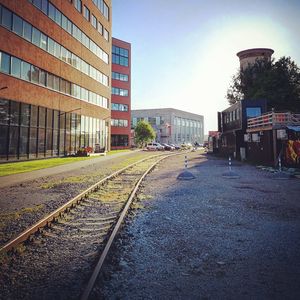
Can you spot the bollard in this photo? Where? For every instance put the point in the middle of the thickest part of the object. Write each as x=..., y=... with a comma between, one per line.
x=185, y=175
x=280, y=174
x=230, y=173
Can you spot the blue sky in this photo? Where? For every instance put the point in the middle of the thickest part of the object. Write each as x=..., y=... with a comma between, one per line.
x=184, y=51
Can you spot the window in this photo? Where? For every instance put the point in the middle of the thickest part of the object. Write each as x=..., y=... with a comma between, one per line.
x=16, y=67
x=63, y=85
x=35, y=72
x=45, y=6
x=64, y=54
x=253, y=112
x=94, y=21
x=17, y=25
x=57, y=50
x=36, y=37
x=77, y=4
x=4, y=63
x=58, y=17
x=106, y=34
x=51, y=46
x=27, y=31
x=56, y=83
x=85, y=40
x=119, y=76
x=44, y=39
x=100, y=28
x=42, y=78
x=120, y=56
x=119, y=123
x=120, y=92
x=119, y=140
x=105, y=11
x=6, y=18
x=25, y=71
x=38, y=3
x=51, y=12
x=114, y=106
x=119, y=107
x=50, y=81
x=64, y=22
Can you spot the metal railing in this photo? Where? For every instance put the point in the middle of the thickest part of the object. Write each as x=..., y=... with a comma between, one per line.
x=273, y=120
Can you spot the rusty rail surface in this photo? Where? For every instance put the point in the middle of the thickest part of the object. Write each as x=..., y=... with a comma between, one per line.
x=104, y=253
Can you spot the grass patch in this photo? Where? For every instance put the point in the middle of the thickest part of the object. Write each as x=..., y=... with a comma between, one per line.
x=28, y=166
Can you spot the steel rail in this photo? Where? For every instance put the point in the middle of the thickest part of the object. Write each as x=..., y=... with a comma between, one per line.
x=90, y=285
x=58, y=212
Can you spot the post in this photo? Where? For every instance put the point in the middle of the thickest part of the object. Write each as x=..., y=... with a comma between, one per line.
x=279, y=161
x=185, y=162
x=274, y=147
x=229, y=163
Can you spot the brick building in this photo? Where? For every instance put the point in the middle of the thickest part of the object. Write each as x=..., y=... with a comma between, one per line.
x=54, y=77
x=121, y=94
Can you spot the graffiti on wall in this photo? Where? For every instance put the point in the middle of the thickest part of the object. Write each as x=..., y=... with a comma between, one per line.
x=292, y=153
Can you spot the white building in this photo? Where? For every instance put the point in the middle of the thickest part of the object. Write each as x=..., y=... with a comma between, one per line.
x=172, y=126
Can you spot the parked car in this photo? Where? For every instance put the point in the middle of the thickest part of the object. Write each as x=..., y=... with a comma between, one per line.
x=168, y=147
x=154, y=146
x=176, y=147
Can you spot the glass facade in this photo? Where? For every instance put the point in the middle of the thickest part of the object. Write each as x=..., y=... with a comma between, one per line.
x=29, y=131
x=120, y=56
x=119, y=123
x=119, y=76
x=119, y=92
x=119, y=140
x=119, y=107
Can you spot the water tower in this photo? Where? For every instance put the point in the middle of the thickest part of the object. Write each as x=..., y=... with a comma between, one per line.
x=249, y=56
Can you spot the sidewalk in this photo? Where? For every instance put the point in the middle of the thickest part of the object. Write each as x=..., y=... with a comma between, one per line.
x=28, y=176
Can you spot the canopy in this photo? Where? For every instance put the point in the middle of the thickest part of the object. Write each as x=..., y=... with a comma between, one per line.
x=295, y=128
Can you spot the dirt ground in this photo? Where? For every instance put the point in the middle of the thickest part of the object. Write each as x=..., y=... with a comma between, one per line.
x=212, y=237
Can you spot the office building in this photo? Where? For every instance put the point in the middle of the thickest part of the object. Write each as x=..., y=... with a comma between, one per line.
x=55, y=67
x=121, y=94
x=171, y=125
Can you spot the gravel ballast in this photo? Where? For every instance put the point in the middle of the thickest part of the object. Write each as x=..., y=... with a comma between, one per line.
x=208, y=238
x=212, y=237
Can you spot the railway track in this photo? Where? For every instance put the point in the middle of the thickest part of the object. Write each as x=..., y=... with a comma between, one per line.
x=55, y=256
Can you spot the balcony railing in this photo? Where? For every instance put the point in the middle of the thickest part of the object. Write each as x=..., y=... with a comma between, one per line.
x=273, y=120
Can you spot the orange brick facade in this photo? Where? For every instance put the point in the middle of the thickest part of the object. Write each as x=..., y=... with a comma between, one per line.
x=29, y=93
x=120, y=135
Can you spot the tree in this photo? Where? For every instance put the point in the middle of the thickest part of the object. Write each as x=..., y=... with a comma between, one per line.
x=278, y=82
x=144, y=133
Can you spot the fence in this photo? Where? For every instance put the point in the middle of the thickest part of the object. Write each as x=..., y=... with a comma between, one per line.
x=273, y=120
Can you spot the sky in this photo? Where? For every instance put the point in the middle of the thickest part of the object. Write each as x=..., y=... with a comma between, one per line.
x=183, y=52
